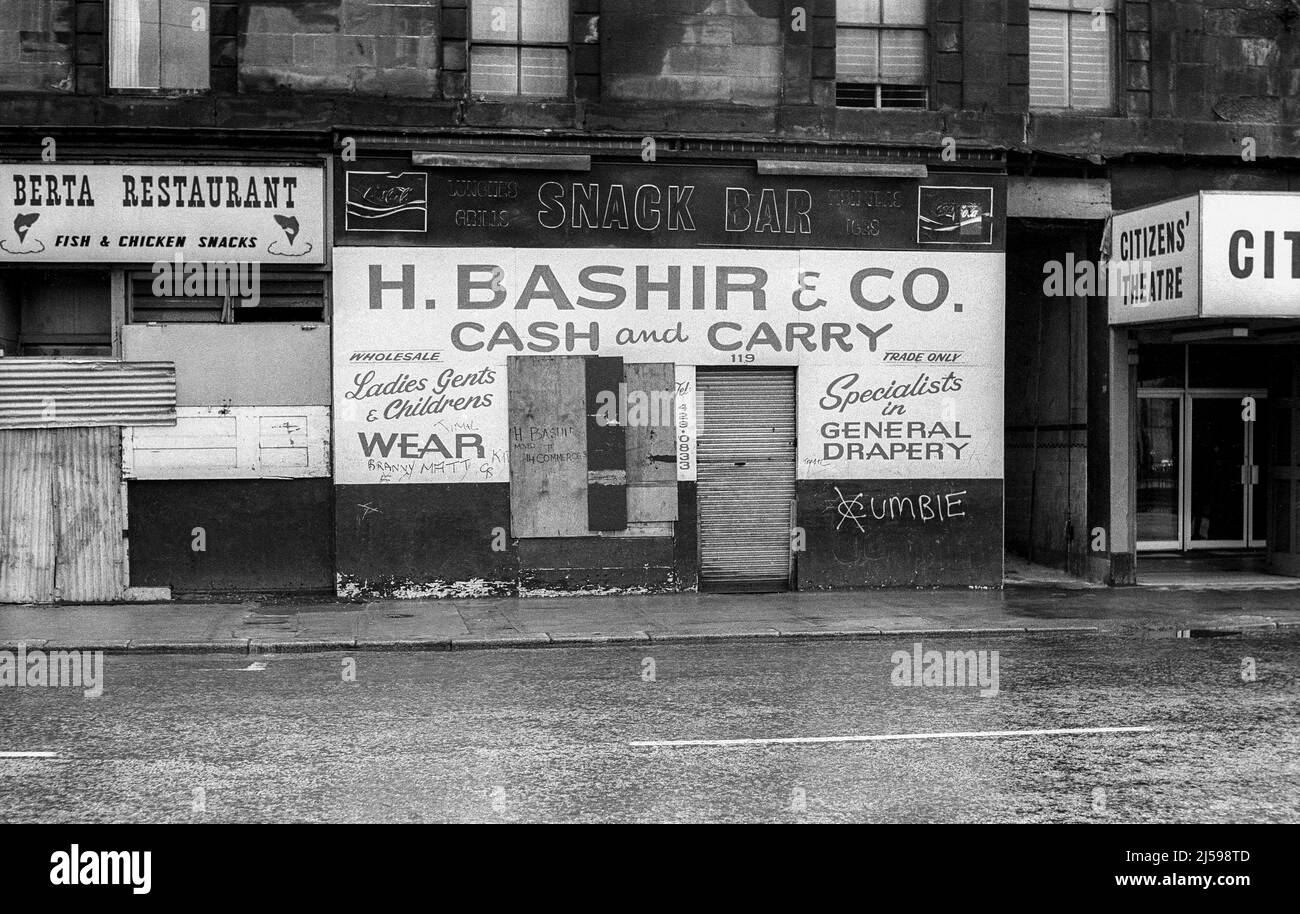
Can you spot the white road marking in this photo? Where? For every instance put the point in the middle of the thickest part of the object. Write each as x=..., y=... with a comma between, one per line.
x=883, y=737
x=256, y=666
x=28, y=754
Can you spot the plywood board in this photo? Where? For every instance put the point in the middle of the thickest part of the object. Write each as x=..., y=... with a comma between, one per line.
x=548, y=446
x=26, y=515
x=239, y=364
x=61, y=516
x=90, y=559
x=651, y=441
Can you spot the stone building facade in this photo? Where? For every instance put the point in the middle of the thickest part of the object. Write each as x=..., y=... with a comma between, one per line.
x=1066, y=111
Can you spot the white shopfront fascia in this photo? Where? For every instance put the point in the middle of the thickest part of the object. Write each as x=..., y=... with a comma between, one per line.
x=77, y=213
x=1215, y=254
x=421, y=343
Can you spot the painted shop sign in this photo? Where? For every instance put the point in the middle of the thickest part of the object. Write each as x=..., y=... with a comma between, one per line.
x=1215, y=255
x=1251, y=260
x=390, y=202
x=133, y=213
x=899, y=353
x=1154, y=259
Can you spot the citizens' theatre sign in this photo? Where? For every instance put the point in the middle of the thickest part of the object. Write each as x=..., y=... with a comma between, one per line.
x=887, y=295
x=1218, y=254
x=134, y=213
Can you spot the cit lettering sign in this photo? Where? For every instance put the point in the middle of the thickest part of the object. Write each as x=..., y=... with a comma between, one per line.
x=1218, y=254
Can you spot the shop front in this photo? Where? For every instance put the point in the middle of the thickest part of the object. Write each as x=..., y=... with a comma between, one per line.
x=164, y=380
x=1205, y=295
x=627, y=378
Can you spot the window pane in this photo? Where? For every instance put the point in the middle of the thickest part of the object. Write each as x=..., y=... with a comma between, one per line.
x=494, y=20
x=858, y=12
x=134, y=60
x=494, y=70
x=1157, y=469
x=857, y=55
x=902, y=56
x=543, y=72
x=1079, y=6
x=906, y=12
x=904, y=97
x=1090, y=63
x=545, y=20
x=184, y=50
x=1047, y=59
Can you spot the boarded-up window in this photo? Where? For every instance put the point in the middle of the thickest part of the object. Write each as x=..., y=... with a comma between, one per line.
x=61, y=516
x=239, y=442
x=1071, y=54
x=158, y=44
x=36, y=45
x=362, y=47
x=548, y=446
x=651, y=454
x=591, y=447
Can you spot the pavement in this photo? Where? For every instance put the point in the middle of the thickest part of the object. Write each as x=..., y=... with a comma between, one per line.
x=266, y=627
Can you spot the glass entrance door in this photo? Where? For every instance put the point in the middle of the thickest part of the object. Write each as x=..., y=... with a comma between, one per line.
x=1160, y=472
x=1198, y=481
x=1222, y=473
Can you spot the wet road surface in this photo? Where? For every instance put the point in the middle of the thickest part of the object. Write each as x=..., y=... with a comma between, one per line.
x=546, y=734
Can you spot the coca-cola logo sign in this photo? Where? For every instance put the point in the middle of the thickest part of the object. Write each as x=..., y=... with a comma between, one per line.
x=385, y=202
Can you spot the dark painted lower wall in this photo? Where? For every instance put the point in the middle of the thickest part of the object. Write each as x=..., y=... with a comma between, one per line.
x=453, y=541
x=243, y=535
x=900, y=533
x=597, y=563
x=686, y=553
x=425, y=540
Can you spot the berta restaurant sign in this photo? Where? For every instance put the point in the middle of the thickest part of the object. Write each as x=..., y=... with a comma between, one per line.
x=132, y=213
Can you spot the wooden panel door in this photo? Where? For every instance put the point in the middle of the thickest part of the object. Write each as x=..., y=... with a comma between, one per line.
x=61, y=515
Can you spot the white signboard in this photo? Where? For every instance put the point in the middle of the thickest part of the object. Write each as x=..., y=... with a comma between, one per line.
x=145, y=213
x=1251, y=261
x=231, y=442
x=899, y=354
x=1153, y=271
x=684, y=428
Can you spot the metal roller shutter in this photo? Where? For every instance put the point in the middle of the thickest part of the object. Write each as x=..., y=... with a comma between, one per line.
x=745, y=485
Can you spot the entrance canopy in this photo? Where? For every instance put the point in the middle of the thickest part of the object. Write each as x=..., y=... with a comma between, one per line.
x=1213, y=255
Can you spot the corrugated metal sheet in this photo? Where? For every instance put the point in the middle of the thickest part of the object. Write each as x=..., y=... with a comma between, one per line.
x=73, y=393
x=746, y=484
x=61, y=515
